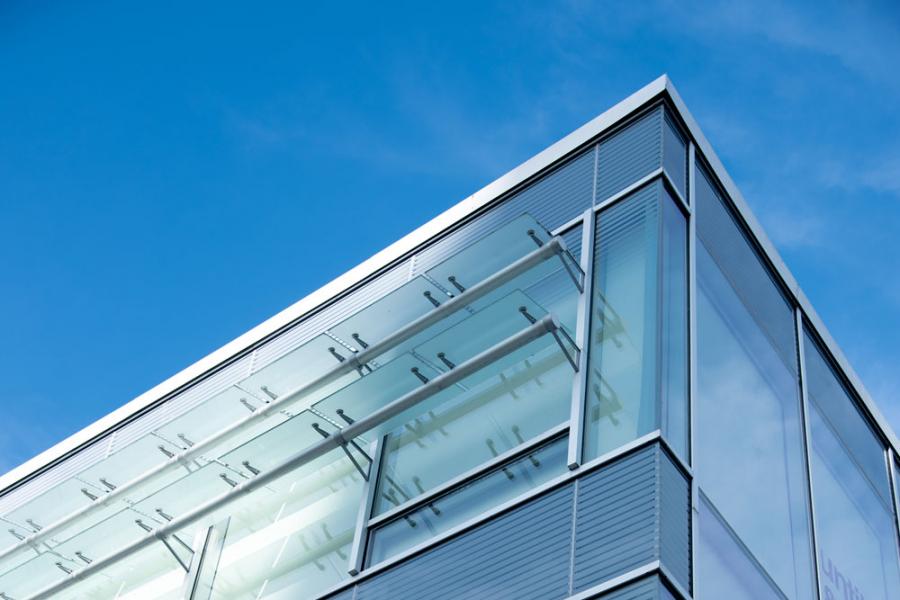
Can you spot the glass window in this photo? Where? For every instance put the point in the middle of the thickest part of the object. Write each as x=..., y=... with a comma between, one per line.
x=725, y=569
x=854, y=519
x=748, y=437
x=456, y=507
x=637, y=353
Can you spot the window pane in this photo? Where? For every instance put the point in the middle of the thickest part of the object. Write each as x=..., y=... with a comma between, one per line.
x=724, y=568
x=748, y=437
x=638, y=313
x=462, y=504
x=674, y=363
x=855, y=527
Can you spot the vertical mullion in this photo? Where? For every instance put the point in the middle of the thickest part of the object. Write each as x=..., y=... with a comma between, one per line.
x=692, y=349
x=807, y=442
x=582, y=337
x=361, y=532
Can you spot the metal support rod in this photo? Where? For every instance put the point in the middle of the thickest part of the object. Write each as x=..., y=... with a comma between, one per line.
x=554, y=247
x=547, y=324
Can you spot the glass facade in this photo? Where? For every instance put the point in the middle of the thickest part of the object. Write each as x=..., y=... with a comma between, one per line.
x=857, y=538
x=511, y=402
x=749, y=438
x=637, y=368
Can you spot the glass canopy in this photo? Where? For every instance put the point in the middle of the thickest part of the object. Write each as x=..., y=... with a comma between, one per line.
x=300, y=525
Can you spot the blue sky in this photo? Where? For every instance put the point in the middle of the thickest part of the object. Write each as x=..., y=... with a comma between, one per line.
x=171, y=174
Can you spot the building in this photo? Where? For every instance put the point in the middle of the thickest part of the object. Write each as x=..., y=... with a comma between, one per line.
x=594, y=378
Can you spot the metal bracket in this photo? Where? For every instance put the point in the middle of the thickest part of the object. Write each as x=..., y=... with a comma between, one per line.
x=325, y=434
x=556, y=333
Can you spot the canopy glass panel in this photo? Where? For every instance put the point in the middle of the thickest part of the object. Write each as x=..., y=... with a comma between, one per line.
x=299, y=368
x=291, y=540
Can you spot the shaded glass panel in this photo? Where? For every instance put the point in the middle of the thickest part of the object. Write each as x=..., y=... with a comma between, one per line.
x=748, y=437
x=725, y=569
x=637, y=353
x=469, y=501
x=854, y=519
x=515, y=398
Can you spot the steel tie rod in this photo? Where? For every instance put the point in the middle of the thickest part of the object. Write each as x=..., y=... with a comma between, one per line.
x=554, y=247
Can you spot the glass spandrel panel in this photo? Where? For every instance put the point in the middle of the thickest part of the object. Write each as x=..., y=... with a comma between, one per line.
x=490, y=254
x=377, y=389
x=215, y=415
x=129, y=462
x=748, y=432
x=390, y=313
x=297, y=368
x=456, y=507
x=54, y=504
x=499, y=408
x=637, y=346
x=293, y=542
x=150, y=574
x=855, y=531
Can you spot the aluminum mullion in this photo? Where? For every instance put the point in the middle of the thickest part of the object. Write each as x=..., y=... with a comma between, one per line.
x=555, y=247
x=539, y=328
x=807, y=443
x=582, y=335
x=360, y=534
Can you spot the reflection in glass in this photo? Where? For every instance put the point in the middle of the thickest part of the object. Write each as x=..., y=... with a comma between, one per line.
x=748, y=438
x=471, y=500
x=637, y=356
x=724, y=567
x=854, y=520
